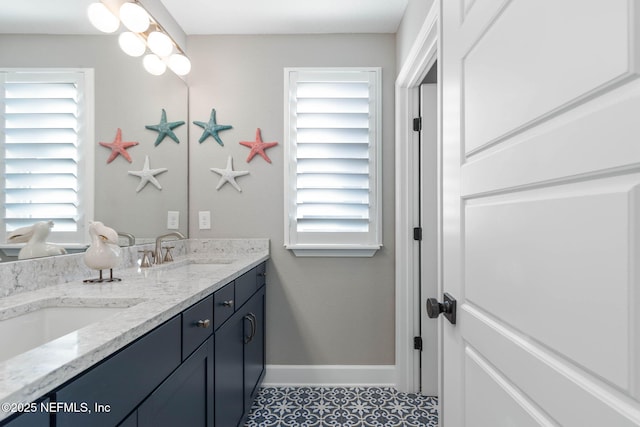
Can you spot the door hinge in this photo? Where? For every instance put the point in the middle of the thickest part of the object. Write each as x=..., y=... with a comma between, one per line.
x=417, y=233
x=417, y=124
x=417, y=343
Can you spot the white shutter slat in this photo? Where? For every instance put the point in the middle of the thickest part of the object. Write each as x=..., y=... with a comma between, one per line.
x=46, y=136
x=334, y=181
x=36, y=90
x=333, y=105
x=41, y=121
x=39, y=166
x=40, y=211
x=41, y=151
x=40, y=106
x=332, y=226
x=333, y=211
x=320, y=195
x=334, y=90
x=333, y=121
x=333, y=151
x=62, y=225
x=41, y=181
x=332, y=136
x=34, y=195
x=333, y=166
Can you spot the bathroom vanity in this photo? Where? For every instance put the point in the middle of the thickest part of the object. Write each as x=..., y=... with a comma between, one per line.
x=189, y=351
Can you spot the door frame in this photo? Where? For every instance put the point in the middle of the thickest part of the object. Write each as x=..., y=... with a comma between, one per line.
x=421, y=57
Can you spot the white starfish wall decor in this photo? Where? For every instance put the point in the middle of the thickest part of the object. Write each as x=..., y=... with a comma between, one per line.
x=148, y=175
x=229, y=175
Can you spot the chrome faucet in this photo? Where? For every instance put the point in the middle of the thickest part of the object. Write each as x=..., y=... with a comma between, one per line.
x=158, y=253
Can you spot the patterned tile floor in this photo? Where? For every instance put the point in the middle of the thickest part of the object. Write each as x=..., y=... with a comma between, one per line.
x=341, y=407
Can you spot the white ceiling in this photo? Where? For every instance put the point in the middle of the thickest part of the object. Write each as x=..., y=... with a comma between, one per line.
x=218, y=17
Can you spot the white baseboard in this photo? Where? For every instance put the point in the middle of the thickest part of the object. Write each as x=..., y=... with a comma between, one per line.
x=330, y=375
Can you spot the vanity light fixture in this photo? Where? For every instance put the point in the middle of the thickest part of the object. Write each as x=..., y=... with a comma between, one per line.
x=145, y=34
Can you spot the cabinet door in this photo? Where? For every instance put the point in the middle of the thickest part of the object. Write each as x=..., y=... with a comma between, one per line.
x=186, y=397
x=123, y=380
x=229, y=384
x=30, y=419
x=254, y=346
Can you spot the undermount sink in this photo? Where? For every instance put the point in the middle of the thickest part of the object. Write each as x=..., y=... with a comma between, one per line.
x=50, y=320
x=194, y=262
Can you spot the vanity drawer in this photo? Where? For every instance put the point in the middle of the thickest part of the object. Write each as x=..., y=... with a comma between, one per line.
x=197, y=325
x=246, y=285
x=261, y=275
x=223, y=304
x=124, y=380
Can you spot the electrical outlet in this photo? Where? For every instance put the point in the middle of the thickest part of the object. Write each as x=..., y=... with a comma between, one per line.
x=204, y=220
x=173, y=220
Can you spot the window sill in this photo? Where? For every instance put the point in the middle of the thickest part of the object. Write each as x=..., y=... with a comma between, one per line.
x=339, y=251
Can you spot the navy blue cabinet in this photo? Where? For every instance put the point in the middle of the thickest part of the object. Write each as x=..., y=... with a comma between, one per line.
x=240, y=351
x=186, y=397
x=122, y=381
x=229, y=387
x=37, y=418
x=254, y=343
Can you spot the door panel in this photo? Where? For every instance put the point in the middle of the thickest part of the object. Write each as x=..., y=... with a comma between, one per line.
x=487, y=387
x=549, y=153
x=553, y=263
x=563, y=391
x=521, y=65
x=540, y=213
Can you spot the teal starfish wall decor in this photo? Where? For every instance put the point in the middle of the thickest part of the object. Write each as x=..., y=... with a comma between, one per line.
x=211, y=128
x=165, y=128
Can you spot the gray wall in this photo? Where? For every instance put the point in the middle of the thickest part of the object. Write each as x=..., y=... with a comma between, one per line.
x=412, y=21
x=129, y=98
x=320, y=310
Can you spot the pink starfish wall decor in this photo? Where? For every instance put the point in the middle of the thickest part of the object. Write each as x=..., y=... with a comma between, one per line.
x=118, y=146
x=258, y=147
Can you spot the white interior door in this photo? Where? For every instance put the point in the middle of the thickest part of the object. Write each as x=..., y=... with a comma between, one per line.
x=541, y=212
x=429, y=205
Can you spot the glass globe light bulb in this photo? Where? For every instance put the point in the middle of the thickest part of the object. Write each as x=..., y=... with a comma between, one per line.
x=134, y=17
x=154, y=65
x=179, y=64
x=131, y=44
x=102, y=18
x=160, y=43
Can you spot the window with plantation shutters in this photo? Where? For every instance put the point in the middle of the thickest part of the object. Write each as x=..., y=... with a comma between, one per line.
x=332, y=143
x=47, y=160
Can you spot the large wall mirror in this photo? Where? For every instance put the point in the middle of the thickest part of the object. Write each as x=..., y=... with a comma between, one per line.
x=126, y=98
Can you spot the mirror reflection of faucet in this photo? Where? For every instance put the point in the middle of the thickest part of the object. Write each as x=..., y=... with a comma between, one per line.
x=130, y=237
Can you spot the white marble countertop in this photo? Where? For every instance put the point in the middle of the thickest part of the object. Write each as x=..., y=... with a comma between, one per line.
x=157, y=294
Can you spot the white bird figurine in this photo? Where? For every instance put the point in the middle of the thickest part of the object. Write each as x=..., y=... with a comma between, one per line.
x=104, y=252
x=35, y=235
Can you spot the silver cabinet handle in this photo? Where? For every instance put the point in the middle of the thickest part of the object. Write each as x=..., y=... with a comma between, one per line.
x=203, y=323
x=252, y=319
x=228, y=303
